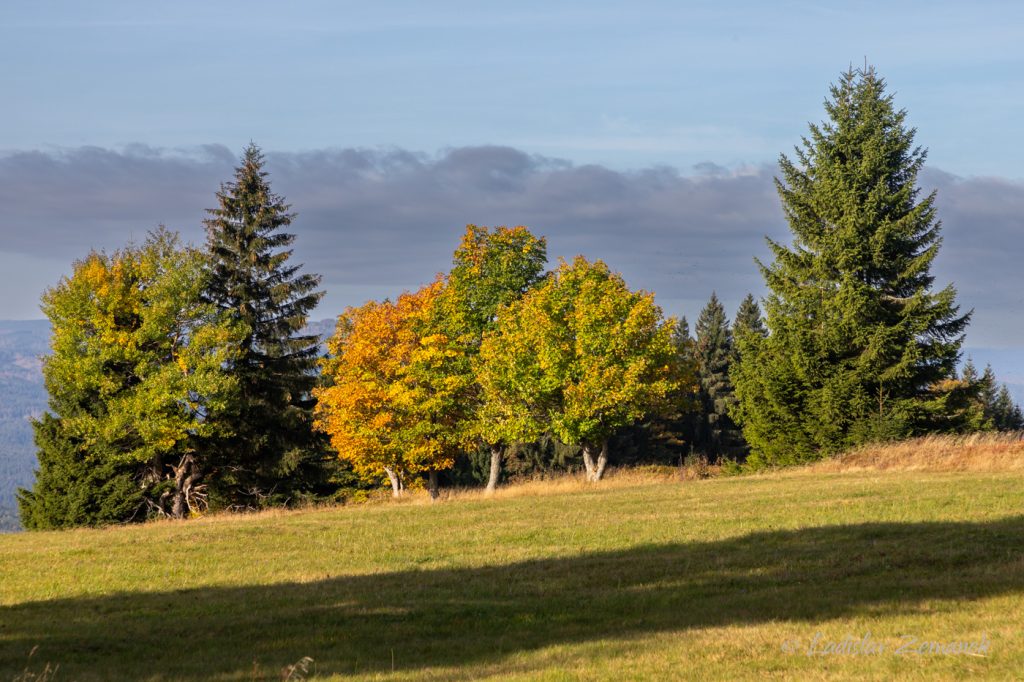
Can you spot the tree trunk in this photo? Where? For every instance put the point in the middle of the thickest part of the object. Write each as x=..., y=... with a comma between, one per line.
x=184, y=477
x=396, y=483
x=588, y=460
x=432, y=484
x=602, y=461
x=595, y=469
x=492, y=478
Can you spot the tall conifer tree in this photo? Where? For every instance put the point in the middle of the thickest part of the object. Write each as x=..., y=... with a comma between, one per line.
x=859, y=339
x=713, y=350
x=252, y=279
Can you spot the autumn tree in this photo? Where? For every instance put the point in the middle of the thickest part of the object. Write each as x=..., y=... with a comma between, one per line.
x=365, y=359
x=388, y=408
x=860, y=341
x=136, y=383
x=433, y=396
x=580, y=355
x=267, y=437
x=491, y=268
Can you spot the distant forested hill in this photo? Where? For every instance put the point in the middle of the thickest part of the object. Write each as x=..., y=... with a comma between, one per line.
x=23, y=396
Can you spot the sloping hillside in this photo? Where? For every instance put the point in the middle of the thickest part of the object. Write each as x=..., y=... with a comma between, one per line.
x=779, y=576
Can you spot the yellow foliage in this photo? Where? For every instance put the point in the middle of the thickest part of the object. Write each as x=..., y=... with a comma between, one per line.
x=373, y=411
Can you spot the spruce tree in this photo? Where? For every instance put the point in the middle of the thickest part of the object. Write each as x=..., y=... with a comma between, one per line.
x=1006, y=414
x=669, y=434
x=961, y=402
x=76, y=485
x=973, y=395
x=1000, y=410
x=688, y=420
x=987, y=387
x=252, y=280
x=681, y=336
x=713, y=351
x=749, y=319
x=969, y=373
x=859, y=342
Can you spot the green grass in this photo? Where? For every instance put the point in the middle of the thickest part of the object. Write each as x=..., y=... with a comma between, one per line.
x=625, y=580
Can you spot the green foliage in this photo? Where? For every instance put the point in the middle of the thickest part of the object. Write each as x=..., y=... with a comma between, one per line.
x=135, y=380
x=681, y=338
x=490, y=269
x=580, y=355
x=1006, y=414
x=966, y=399
x=433, y=397
x=271, y=447
x=79, y=486
x=716, y=435
x=859, y=342
x=748, y=319
x=997, y=406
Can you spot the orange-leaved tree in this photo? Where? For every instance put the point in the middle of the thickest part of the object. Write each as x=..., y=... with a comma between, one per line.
x=387, y=405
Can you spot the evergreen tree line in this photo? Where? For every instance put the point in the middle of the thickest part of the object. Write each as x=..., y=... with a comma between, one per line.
x=180, y=380
x=968, y=401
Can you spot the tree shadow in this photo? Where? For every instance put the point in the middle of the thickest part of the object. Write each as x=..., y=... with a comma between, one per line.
x=478, y=616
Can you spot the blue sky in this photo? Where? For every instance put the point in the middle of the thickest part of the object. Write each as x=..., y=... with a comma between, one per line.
x=627, y=85
x=644, y=133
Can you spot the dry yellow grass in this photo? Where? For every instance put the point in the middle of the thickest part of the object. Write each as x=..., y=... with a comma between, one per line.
x=981, y=452
x=547, y=485
x=575, y=482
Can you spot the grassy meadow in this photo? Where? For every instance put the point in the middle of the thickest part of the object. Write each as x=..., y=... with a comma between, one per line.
x=638, y=577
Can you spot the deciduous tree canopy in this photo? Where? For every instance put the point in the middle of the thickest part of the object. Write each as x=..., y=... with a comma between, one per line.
x=136, y=381
x=390, y=407
x=581, y=355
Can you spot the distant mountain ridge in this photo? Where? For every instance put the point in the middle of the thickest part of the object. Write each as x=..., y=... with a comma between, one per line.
x=22, y=345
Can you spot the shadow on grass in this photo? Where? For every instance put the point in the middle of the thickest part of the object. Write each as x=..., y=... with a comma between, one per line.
x=477, y=616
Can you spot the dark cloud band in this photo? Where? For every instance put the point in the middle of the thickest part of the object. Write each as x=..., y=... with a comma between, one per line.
x=374, y=221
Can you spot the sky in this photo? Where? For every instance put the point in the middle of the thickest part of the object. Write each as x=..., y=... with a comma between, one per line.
x=642, y=133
